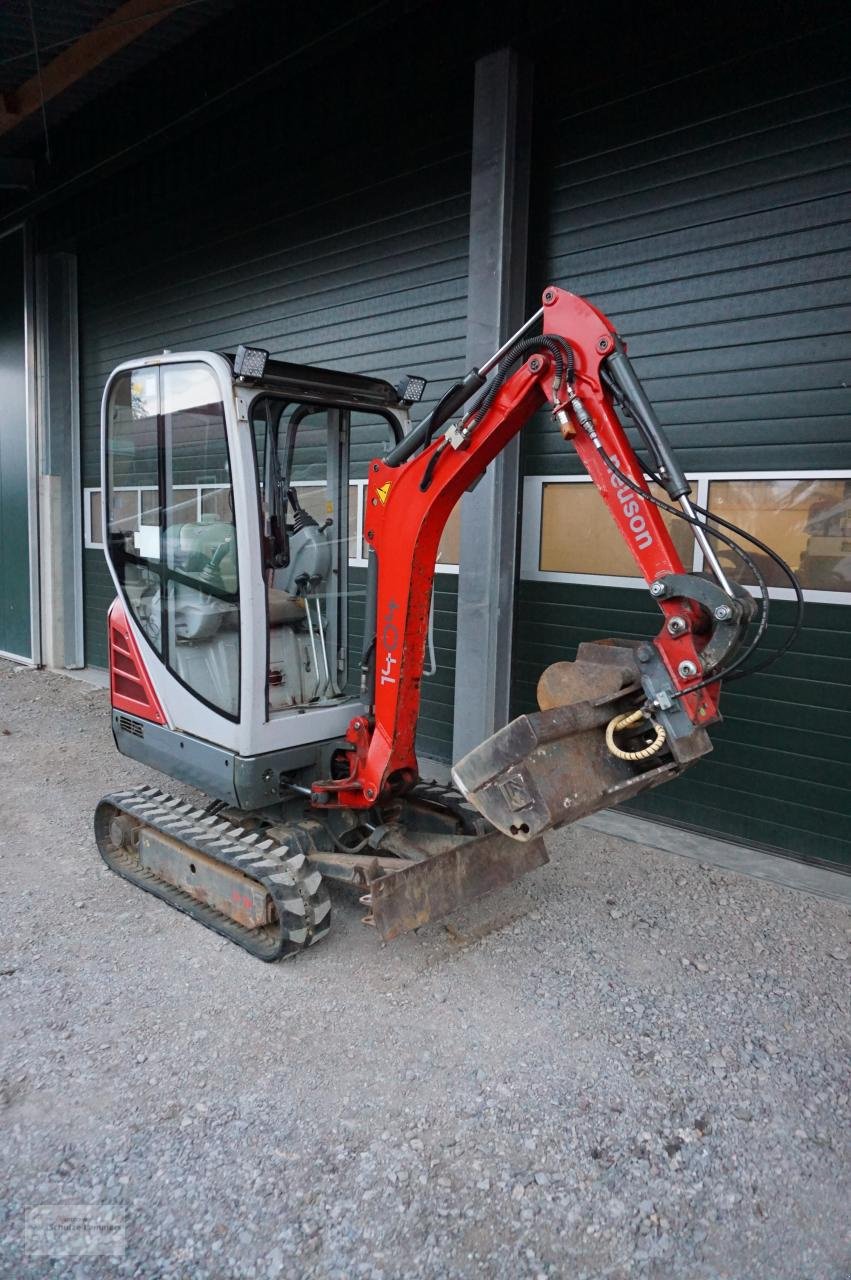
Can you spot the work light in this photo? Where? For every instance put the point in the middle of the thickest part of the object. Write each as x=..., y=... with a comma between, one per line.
x=249, y=362
x=410, y=388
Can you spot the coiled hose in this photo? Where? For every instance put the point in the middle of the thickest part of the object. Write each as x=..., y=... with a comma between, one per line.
x=618, y=723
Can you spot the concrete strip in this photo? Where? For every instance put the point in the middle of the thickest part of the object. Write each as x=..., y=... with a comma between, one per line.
x=95, y=676
x=757, y=863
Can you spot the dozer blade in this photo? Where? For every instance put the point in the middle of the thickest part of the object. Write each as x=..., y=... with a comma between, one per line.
x=429, y=890
x=553, y=767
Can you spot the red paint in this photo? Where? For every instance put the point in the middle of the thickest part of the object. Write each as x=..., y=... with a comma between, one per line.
x=404, y=525
x=129, y=683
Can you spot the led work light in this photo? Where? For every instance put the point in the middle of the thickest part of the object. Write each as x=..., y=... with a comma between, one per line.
x=249, y=362
x=410, y=388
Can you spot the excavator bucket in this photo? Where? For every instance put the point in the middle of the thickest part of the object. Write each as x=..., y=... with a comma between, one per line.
x=554, y=766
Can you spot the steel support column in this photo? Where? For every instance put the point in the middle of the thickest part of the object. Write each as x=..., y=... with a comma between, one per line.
x=499, y=205
x=60, y=495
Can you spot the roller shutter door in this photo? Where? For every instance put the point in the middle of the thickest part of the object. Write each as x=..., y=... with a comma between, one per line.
x=709, y=219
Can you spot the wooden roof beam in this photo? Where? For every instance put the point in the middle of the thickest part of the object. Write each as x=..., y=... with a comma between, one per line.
x=129, y=21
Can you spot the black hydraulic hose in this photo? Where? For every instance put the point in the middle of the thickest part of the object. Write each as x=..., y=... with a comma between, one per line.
x=557, y=347
x=623, y=399
x=474, y=381
x=737, y=550
x=428, y=474
x=795, y=629
x=563, y=359
x=432, y=422
x=341, y=845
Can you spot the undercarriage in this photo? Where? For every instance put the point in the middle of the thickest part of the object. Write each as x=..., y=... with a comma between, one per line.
x=261, y=882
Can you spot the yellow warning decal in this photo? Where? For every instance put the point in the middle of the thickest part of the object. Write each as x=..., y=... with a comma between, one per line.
x=383, y=492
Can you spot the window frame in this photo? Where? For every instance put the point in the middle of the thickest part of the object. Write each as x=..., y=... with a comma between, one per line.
x=530, y=542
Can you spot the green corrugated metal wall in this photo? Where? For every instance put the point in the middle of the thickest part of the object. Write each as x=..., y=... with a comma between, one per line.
x=322, y=258
x=709, y=220
x=15, y=634
x=705, y=215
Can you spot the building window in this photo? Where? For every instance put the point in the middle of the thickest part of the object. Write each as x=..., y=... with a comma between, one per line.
x=569, y=535
x=93, y=518
x=807, y=522
x=142, y=509
x=448, y=553
x=579, y=536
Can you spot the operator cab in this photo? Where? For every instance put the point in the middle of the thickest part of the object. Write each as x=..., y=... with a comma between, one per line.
x=233, y=503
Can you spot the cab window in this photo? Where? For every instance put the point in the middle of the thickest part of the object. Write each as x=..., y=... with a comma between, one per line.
x=170, y=526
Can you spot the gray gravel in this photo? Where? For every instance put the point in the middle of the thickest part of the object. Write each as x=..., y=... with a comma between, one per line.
x=627, y=1065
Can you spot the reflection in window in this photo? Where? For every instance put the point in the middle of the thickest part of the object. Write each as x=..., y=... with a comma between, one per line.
x=217, y=503
x=95, y=516
x=808, y=522
x=176, y=564
x=199, y=549
x=578, y=535
x=132, y=462
x=150, y=507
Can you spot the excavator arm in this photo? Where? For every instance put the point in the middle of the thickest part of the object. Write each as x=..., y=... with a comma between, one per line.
x=624, y=716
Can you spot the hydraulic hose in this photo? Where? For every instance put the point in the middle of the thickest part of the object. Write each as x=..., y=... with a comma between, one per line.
x=681, y=515
x=626, y=722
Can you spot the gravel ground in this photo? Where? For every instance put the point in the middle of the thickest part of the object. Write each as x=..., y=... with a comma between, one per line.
x=626, y=1065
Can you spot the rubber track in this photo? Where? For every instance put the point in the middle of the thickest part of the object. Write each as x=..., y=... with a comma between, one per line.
x=297, y=891
x=446, y=797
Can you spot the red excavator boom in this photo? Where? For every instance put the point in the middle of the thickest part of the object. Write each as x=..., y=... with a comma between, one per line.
x=409, y=500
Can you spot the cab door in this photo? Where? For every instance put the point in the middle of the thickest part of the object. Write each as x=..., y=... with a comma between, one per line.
x=170, y=531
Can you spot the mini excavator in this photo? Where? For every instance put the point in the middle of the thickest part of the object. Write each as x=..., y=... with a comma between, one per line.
x=272, y=531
